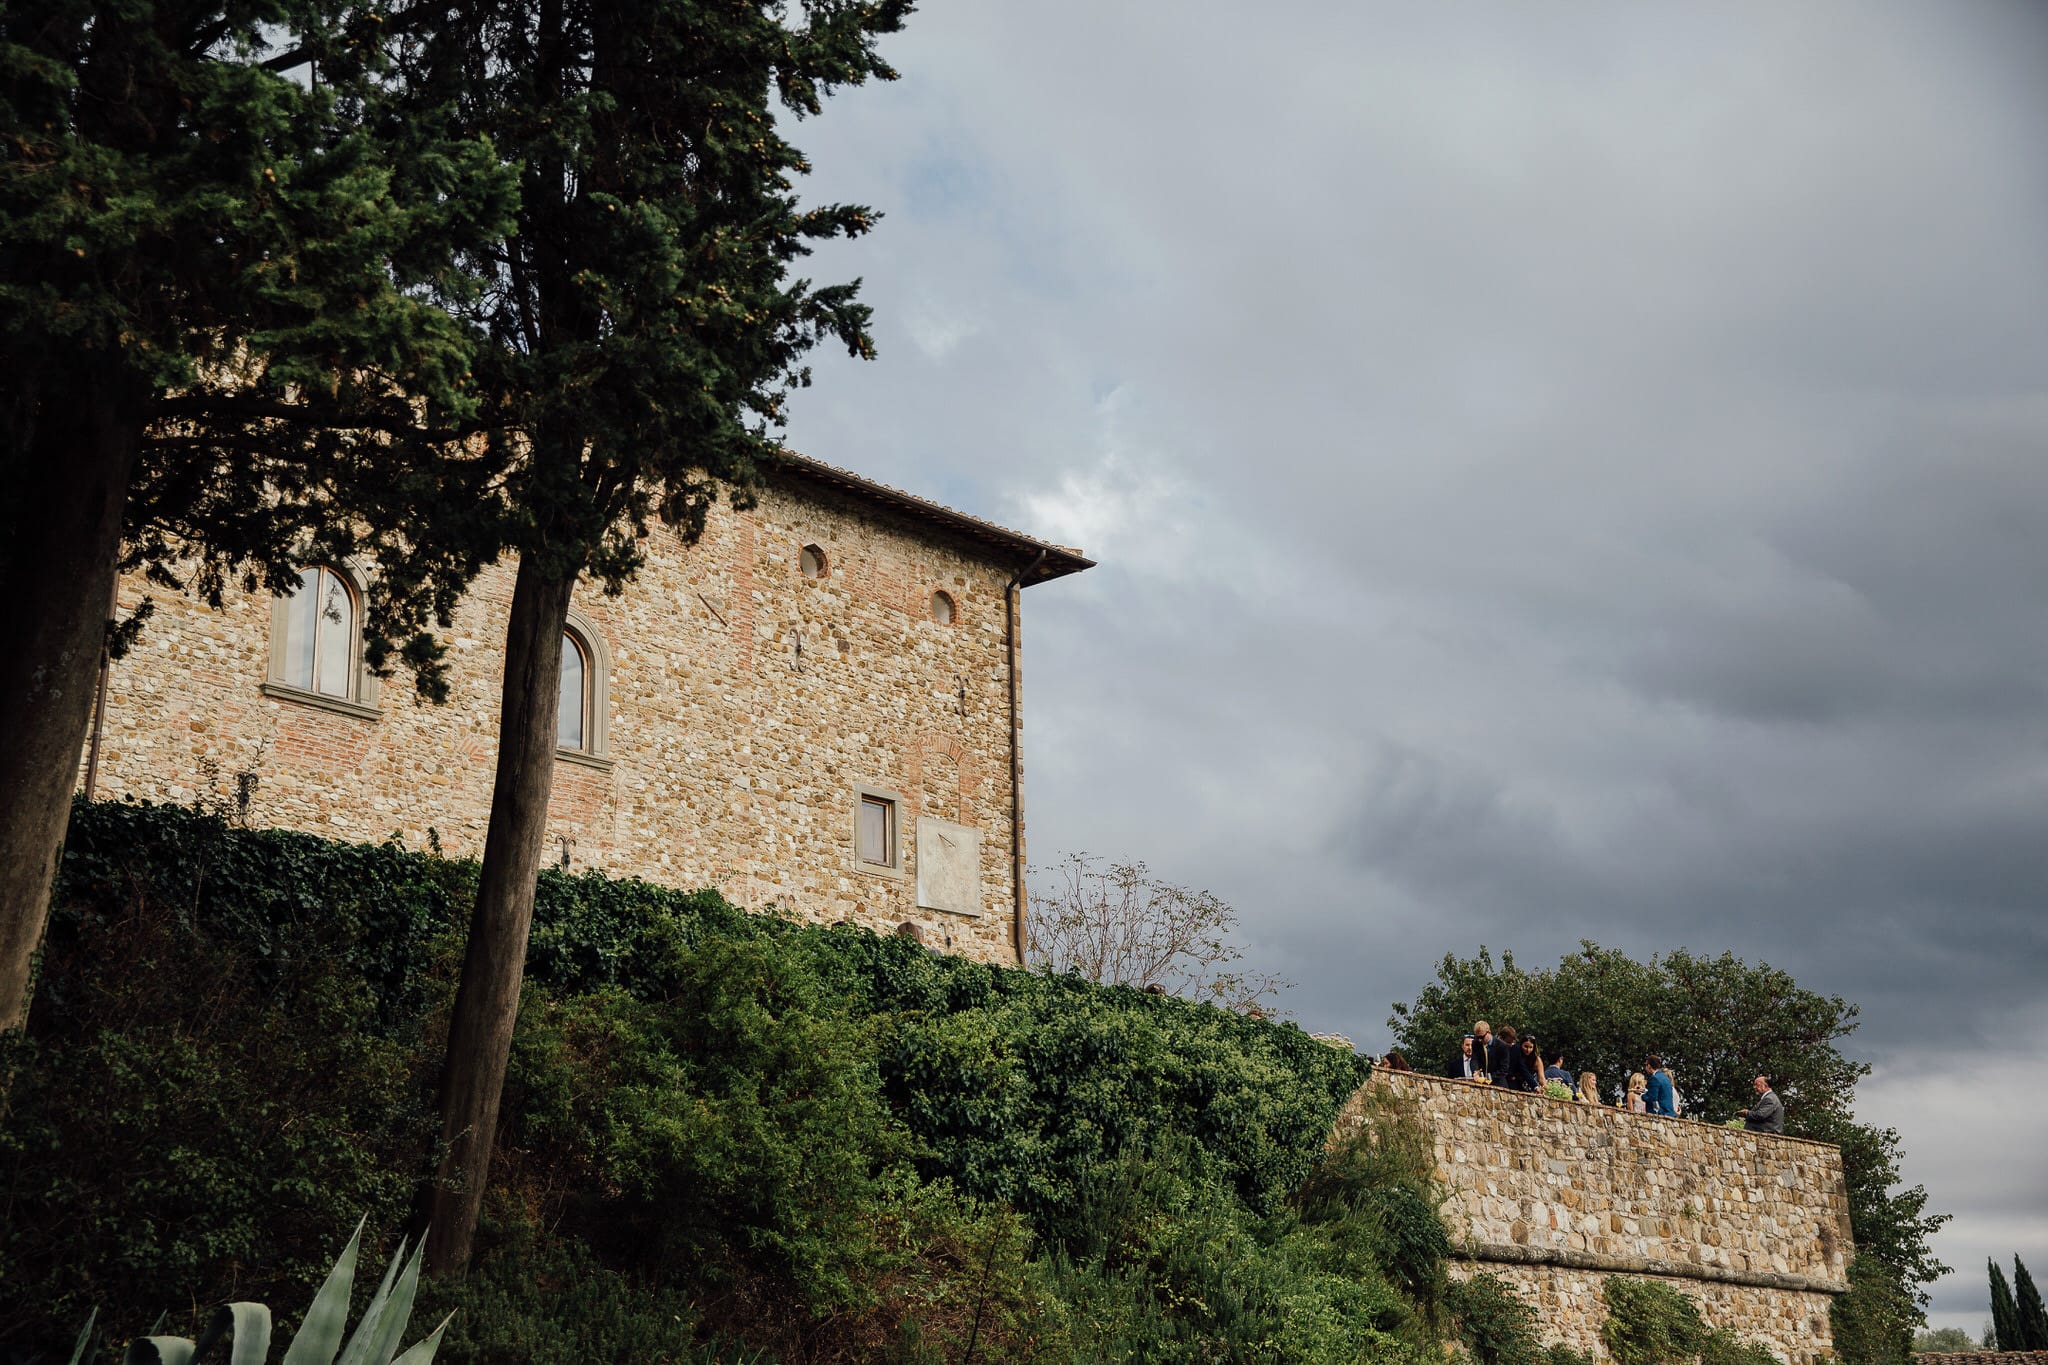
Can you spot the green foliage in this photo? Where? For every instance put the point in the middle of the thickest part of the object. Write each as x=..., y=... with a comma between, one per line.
x=1891, y=1226
x=1493, y=1321
x=727, y=1137
x=2028, y=1315
x=1649, y=1323
x=1944, y=1339
x=2005, y=1314
x=537, y=1298
x=176, y=1132
x=725, y=1133
x=224, y=261
x=1717, y=1022
x=244, y=1328
x=644, y=325
x=738, y=1119
x=1873, y=1323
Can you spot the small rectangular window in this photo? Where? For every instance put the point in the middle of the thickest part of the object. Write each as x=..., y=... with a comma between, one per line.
x=877, y=831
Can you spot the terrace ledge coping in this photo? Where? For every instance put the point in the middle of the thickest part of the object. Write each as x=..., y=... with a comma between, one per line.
x=1583, y=1107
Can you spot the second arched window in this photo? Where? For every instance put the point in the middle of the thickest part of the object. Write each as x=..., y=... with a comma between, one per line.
x=572, y=716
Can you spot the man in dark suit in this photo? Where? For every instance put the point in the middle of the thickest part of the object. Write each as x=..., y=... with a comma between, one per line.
x=1465, y=1064
x=1767, y=1115
x=1500, y=1055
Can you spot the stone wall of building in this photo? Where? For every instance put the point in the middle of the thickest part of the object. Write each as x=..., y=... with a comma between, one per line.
x=1555, y=1196
x=731, y=757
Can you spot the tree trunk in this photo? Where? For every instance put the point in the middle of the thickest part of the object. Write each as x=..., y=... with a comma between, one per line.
x=487, y=1001
x=55, y=583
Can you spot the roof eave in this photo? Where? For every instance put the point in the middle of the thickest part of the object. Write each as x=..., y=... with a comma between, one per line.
x=1043, y=561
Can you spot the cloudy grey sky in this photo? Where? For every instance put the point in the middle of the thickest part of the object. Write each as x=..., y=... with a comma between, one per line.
x=1559, y=471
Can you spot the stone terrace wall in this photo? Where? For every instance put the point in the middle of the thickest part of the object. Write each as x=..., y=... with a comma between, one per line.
x=1554, y=1196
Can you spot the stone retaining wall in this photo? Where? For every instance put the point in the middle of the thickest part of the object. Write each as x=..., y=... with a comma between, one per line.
x=1554, y=1196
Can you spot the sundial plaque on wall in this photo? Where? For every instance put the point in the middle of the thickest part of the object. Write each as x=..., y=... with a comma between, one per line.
x=948, y=866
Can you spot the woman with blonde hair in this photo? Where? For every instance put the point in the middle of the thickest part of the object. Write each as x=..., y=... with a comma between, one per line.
x=1589, y=1087
x=1637, y=1084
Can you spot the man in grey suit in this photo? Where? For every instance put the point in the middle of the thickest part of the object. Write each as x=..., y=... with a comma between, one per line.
x=1767, y=1115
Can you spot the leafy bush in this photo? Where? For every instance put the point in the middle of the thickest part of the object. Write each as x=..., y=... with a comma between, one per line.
x=1873, y=1323
x=726, y=1136
x=1649, y=1323
x=1493, y=1321
x=534, y=1297
x=220, y=1072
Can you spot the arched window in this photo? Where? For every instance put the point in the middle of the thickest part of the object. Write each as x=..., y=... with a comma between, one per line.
x=580, y=715
x=316, y=642
x=320, y=634
x=572, y=714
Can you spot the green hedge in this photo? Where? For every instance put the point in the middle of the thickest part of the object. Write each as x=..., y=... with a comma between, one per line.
x=231, y=1047
x=726, y=1136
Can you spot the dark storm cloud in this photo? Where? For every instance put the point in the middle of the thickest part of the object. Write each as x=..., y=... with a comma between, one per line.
x=1557, y=473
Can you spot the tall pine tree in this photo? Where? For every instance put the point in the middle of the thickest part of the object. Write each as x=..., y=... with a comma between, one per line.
x=647, y=332
x=212, y=356
x=2028, y=1315
x=2005, y=1317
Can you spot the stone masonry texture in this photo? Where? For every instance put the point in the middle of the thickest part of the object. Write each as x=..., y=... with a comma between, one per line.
x=731, y=760
x=1554, y=1196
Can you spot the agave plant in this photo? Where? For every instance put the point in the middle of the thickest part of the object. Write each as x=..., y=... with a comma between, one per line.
x=244, y=1328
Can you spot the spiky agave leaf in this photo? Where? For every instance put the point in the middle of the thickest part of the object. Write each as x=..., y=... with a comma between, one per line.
x=249, y=1325
x=422, y=1352
x=383, y=1326
x=84, y=1338
x=319, y=1336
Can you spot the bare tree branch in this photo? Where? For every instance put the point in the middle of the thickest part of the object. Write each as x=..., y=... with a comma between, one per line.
x=1116, y=924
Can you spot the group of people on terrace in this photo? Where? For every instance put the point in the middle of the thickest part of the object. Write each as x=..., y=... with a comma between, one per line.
x=1519, y=1062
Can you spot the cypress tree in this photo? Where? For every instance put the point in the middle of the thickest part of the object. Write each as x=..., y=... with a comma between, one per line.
x=211, y=353
x=2005, y=1318
x=2028, y=1314
x=646, y=334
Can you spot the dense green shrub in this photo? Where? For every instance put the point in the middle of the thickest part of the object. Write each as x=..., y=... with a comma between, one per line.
x=219, y=1077
x=537, y=1298
x=726, y=1136
x=1649, y=1323
x=1493, y=1321
x=1873, y=1323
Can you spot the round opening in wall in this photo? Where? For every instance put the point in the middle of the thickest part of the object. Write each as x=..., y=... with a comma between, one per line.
x=813, y=563
x=942, y=608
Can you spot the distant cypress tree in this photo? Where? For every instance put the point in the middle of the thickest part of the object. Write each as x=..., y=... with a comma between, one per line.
x=2032, y=1319
x=2005, y=1314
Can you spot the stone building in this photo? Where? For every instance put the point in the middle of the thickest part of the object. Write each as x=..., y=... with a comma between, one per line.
x=813, y=707
x=1555, y=1197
